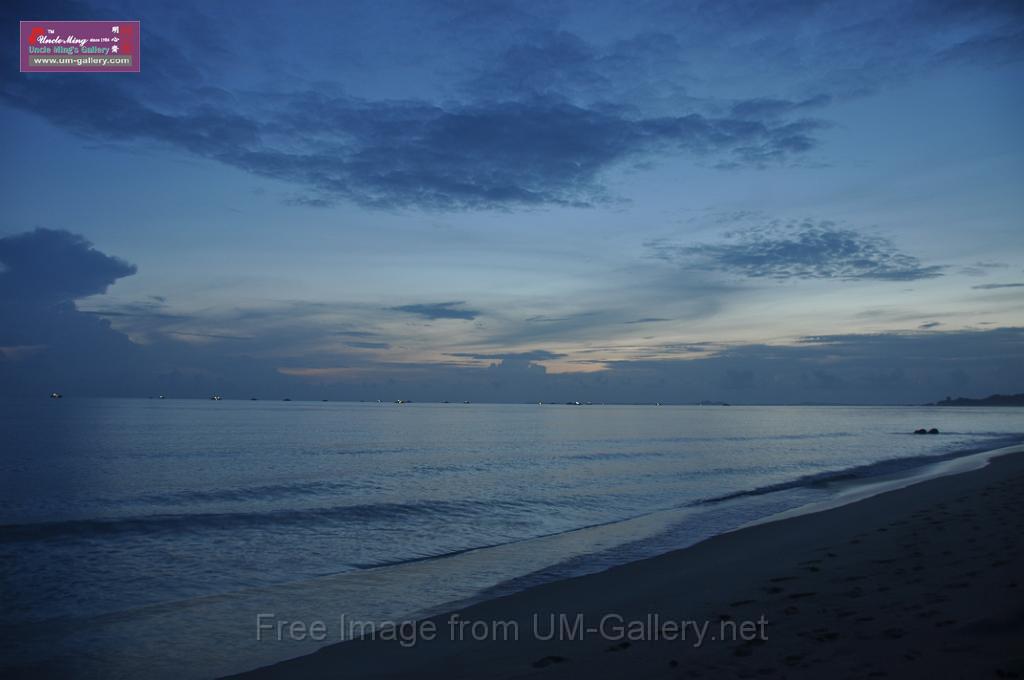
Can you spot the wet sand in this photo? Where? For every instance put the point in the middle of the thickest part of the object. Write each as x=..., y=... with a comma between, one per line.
x=924, y=581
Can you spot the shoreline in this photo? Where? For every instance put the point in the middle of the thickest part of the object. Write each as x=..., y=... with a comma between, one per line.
x=697, y=607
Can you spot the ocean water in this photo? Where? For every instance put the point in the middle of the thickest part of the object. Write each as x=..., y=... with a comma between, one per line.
x=136, y=533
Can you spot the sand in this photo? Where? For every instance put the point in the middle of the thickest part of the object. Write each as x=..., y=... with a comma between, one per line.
x=924, y=581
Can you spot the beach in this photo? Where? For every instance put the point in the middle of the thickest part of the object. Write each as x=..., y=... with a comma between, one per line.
x=921, y=581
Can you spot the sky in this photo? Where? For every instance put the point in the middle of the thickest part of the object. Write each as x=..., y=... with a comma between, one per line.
x=731, y=200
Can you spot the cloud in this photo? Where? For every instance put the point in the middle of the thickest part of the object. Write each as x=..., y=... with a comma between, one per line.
x=562, y=64
x=54, y=265
x=151, y=309
x=650, y=319
x=908, y=367
x=541, y=115
x=993, y=48
x=383, y=154
x=982, y=268
x=799, y=250
x=518, y=137
x=439, y=310
x=767, y=107
x=487, y=154
x=47, y=341
x=930, y=324
x=824, y=45
x=549, y=62
x=995, y=286
x=532, y=355
x=47, y=345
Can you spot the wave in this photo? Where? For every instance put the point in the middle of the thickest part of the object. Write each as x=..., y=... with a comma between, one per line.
x=453, y=510
x=239, y=494
x=861, y=473
x=303, y=517
x=736, y=438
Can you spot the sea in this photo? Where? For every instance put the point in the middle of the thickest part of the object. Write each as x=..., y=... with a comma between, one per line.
x=151, y=537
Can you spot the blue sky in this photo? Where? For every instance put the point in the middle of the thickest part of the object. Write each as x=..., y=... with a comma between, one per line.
x=653, y=201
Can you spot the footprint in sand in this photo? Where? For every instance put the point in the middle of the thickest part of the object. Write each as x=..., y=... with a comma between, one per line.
x=548, y=660
x=800, y=596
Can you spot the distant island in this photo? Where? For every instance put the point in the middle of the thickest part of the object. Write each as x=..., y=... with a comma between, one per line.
x=993, y=400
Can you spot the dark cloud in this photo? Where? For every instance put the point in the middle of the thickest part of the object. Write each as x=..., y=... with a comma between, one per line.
x=356, y=334
x=42, y=273
x=930, y=345
x=551, y=62
x=738, y=379
x=995, y=286
x=518, y=138
x=982, y=268
x=368, y=345
x=898, y=367
x=47, y=343
x=54, y=265
x=773, y=108
x=908, y=367
x=487, y=154
x=211, y=336
x=544, y=151
x=439, y=310
x=561, y=64
x=804, y=250
x=930, y=324
x=824, y=45
x=994, y=48
x=650, y=319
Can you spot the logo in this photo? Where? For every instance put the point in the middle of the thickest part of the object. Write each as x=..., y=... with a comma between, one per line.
x=80, y=47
